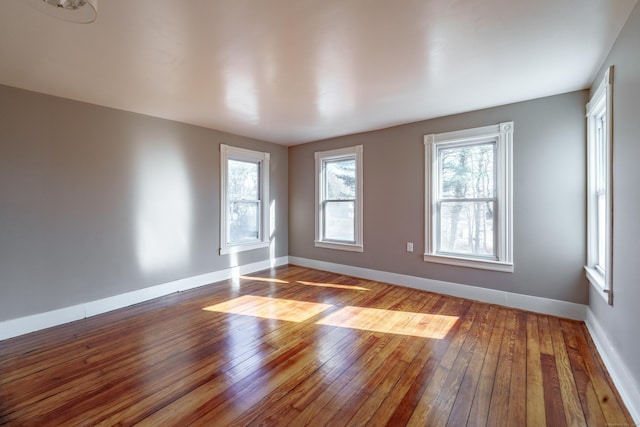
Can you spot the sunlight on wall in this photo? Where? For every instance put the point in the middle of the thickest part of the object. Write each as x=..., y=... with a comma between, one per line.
x=272, y=233
x=163, y=207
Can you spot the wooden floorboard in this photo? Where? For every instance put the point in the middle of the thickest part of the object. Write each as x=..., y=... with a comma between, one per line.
x=295, y=346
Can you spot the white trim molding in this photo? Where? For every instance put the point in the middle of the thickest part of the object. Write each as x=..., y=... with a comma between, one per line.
x=24, y=325
x=320, y=158
x=600, y=188
x=227, y=153
x=553, y=307
x=628, y=388
x=501, y=137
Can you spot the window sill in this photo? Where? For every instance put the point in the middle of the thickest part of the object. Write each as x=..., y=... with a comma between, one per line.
x=471, y=263
x=340, y=246
x=243, y=247
x=597, y=281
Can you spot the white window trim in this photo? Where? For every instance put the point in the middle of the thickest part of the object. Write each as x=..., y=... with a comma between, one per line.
x=600, y=101
x=348, y=152
x=234, y=153
x=503, y=135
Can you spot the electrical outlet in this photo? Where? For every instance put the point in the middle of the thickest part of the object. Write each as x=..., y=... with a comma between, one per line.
x=409, y=246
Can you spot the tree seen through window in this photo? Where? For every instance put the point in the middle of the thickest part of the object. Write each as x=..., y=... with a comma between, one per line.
x=467, y=199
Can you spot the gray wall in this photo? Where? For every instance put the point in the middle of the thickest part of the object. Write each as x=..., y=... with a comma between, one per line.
x=620, y=321
x=549, y=199
x=95, y=202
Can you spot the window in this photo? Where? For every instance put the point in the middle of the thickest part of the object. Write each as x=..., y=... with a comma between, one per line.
x=599, y=189
x=468, y=210
x=339, y=199
x=244, y=210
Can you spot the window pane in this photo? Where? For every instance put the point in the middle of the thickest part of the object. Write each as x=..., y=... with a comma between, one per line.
x=243, y=222
x=339, y=221
x=340, y=179
x=601, y=236
x=601, y=155
x=467, y=172
x=467, y=228
x=243, y=180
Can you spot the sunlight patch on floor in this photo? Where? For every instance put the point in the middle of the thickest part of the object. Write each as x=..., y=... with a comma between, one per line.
x=423, y=325
x=270, y=308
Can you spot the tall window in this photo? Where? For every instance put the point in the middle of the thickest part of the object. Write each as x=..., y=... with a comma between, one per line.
x=599, y=188
x=244, y=210
x=468, y=212
x=339, y=199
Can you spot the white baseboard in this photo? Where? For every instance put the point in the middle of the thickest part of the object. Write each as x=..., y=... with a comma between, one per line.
x=27, y=324
x=628, y=388
x=553, y=307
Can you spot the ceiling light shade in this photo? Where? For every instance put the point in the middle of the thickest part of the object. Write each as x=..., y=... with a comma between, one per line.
x=79, y=11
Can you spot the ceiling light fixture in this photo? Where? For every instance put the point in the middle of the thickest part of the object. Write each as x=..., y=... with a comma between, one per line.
x=78, y=11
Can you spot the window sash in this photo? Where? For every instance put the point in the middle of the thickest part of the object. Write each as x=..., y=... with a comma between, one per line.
x=325, y=178
x=235, y=222
x=235, y=202
x=326, y=201
x=476, y=231
x=600, y=153
x=241, y=190
x=441, y=150
x=601, y=234
x=329, y=231
x=439, y=230
x=600, y=192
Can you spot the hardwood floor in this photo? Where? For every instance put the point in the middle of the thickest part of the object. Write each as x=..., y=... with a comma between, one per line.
x=295, y=346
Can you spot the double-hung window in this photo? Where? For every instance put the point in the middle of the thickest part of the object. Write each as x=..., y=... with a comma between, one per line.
x=244, y=210
x=599, y=194
x=339, y=199
x=468, y=209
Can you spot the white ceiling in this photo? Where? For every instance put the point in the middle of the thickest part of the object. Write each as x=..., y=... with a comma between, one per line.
x=293, y=71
